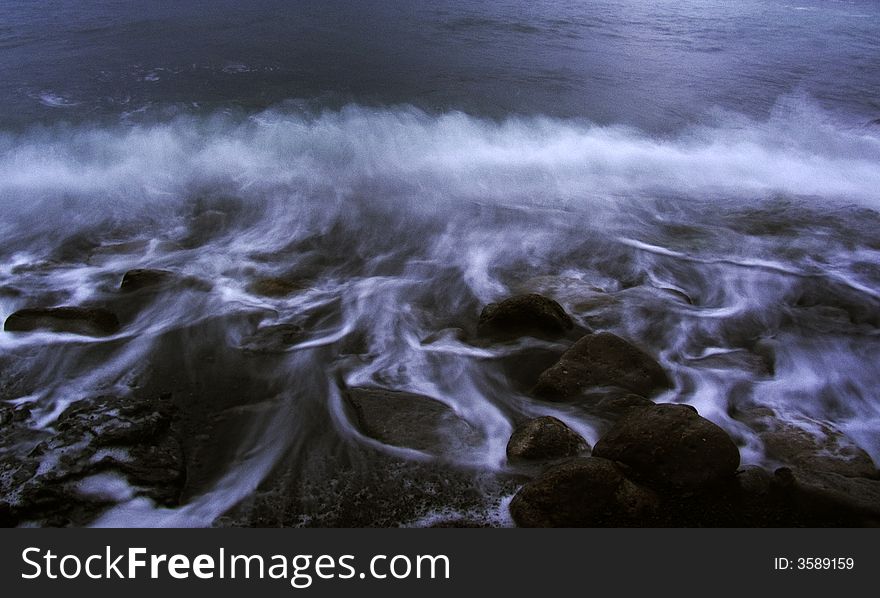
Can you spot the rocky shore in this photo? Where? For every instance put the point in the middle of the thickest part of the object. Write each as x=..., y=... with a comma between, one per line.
x=654, y=464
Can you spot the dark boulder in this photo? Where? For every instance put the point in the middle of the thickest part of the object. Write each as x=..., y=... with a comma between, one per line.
x=545, y=438
x=524, y=315
x=88, y=321
x=672, y=447
x=408, y=420
x=602, y=359
x=583, y=492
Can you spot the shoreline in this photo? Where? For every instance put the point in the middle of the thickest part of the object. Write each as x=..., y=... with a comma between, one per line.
x=172, y=438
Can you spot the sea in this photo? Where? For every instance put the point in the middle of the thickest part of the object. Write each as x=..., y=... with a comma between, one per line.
x=700, y=177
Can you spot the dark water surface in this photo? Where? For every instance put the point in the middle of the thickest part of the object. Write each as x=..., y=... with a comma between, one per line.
x=656, y=65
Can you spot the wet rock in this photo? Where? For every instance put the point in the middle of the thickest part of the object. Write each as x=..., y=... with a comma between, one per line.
x=744, y=361
x=598, y=307
x=104, y=253
x=130, y=442
x=356, y=488
x=88, y=321
x=678, y=294
x=206, y=226
x=408, y=420
x=583, y=492
x=545, y=438
x=157, y=280
x=751, y=498
x=524, y=315
x=276, y=338
x=274, y=287
x=13, y=427
x=133, y=437
x=808, y=444
x=756, y=499
x=143, y=278
x=581, y=295
x=602, y=359
x=453, y=334
x=219, y=397
x=523, y=366
x=830, y=499
x=73, y=248
x=754, y=481
x=671, y=446
x=847, y=303
x=12, y=292
x=616, y=406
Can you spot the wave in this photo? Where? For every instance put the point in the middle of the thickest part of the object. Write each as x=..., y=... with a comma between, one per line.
x=744, y=254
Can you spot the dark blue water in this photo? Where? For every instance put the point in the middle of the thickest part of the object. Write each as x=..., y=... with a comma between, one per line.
x=655, y=65
x=414, y=161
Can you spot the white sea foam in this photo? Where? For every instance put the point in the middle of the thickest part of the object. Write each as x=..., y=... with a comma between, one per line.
x=406, y=223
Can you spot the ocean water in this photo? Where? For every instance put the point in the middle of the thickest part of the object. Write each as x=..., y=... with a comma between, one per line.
x=701, y=177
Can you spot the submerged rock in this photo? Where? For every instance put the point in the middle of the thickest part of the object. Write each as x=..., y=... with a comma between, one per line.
x=88, y=321
x=408, y=420
x=158, y=280
x=524, y=315
x=827, y=498
x=109, y=251
x=10, y=291
x=545, y=438
x=276, y=338
x=671, y=446
x=205, y=226
x=602, y=359
x=522, y=366
x=135, y=280
x=812, y=446
x=583, y=492
x=737, y=360
x=274, y=287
